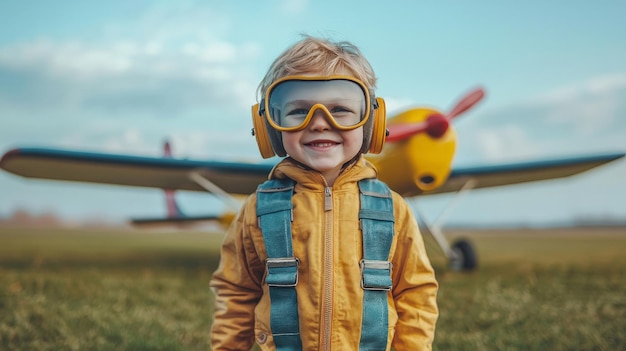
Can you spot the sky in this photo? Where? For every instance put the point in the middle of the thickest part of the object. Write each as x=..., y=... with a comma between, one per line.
x=123, y=76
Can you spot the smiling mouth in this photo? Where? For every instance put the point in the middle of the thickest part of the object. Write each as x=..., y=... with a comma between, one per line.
x=322, y=143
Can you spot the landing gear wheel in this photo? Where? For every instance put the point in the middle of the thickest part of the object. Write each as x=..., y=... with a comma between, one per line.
x=464, y=256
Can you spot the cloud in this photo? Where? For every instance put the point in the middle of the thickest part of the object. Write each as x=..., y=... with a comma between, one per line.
x=171, y=73
x=124, y=77
x=507, y=140
x=172, y=23
x=586, y=118
x=174, y=59
x=596, y=86
x=398, y=105
x=293, y=7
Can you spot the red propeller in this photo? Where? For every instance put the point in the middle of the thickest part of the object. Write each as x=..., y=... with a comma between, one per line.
x=436, y=124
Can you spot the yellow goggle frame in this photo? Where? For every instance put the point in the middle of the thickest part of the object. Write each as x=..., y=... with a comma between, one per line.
x=265, y=104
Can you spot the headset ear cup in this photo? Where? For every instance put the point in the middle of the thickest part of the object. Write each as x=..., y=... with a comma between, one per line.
x=260, y=133
x=379, y=127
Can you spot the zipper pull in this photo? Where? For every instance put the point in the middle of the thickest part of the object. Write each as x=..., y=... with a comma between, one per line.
x=328, y=199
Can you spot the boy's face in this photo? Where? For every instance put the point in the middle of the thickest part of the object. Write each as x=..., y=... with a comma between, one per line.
x=319, y=144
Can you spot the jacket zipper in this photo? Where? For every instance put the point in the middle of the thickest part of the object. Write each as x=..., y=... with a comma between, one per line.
x=328, y=268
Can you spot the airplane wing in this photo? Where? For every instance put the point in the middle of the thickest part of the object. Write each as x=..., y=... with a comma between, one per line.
x=243, y=178
x=173, y=220
x=186, y=221
x=522, y=172
x=153, y=172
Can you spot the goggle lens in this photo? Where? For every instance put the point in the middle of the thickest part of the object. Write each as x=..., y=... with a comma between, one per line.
x=291, y=103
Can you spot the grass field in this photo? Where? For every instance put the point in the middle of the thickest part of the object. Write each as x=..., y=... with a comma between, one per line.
x=561, y=289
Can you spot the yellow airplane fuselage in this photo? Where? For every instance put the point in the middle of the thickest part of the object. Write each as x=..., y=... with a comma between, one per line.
x=420, y=163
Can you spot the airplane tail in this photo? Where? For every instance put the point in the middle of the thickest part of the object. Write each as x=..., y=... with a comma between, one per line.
x=174, y=214
x=173, y=210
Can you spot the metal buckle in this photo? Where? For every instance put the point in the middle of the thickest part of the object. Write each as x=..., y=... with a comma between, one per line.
x=374, y=264
x=282, y=262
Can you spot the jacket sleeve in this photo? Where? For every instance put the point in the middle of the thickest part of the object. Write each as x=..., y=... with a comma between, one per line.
x=415, y=287
x=237, y=288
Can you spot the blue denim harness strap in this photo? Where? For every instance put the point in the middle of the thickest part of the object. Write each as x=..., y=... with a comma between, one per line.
x=377, y=225
x=274, y=212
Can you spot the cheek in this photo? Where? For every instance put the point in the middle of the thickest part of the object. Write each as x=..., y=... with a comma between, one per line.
x=354, y=138
x=289, y=141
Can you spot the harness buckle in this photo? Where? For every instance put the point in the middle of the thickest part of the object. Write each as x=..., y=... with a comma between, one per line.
x=375, y=275
x=282, y=271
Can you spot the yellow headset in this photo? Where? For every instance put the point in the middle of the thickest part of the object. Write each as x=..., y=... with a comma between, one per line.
x=270, y=143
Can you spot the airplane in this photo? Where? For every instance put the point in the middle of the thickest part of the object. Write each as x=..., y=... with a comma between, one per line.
x=415, y=161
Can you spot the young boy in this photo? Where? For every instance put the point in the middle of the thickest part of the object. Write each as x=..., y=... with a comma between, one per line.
x=322, y=257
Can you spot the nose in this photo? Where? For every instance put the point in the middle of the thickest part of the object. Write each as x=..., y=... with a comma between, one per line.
x=319, y=121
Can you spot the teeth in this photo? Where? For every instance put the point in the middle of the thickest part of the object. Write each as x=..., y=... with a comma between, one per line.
x=322, y=144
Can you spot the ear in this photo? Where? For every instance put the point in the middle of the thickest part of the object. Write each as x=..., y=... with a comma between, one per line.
x=260, y=133
x=379, y=127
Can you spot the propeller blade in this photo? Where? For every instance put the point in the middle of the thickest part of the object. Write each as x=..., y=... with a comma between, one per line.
x=471, y=99
x=436, y=124
x=399, y=132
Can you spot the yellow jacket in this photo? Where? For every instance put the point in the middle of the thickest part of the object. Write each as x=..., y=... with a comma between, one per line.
x=328, y=243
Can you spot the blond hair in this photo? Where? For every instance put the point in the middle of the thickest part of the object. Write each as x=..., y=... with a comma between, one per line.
x=320, y=56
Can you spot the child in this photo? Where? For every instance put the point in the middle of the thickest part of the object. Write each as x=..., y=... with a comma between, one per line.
x=322, y=257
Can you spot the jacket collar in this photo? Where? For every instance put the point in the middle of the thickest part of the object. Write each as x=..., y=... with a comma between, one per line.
x=309, y=178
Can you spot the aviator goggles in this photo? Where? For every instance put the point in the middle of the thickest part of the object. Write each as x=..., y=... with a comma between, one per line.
x=290, y=103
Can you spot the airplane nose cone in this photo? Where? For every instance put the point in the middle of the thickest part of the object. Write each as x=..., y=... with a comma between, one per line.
x=437, y=125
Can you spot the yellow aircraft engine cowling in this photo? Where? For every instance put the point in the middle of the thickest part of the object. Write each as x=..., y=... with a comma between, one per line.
x=427, y=160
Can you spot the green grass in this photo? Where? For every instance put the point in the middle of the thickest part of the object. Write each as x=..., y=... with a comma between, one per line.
x=134, y=290
x=105, y=290
x=538, y=290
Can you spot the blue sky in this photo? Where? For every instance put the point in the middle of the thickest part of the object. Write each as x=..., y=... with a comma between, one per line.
x=122, y=76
